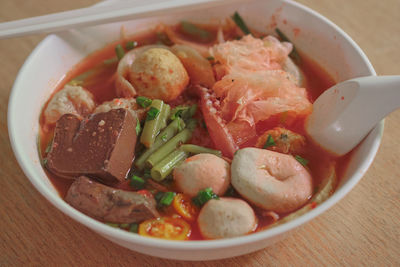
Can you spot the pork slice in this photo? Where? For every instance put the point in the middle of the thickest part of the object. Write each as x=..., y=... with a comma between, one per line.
x=109, y=204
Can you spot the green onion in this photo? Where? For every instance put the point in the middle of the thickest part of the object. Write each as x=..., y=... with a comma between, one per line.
x=130, y=45
x=44, y=162
x=167, y=198
x=124, y=225
x=110, y=61
x=48, y=148
x=146, y=173
x=75, y=83
x=184, y=112
x=191, y=124
x=143, y=101
x=137, y=182
x=230, y=192
x=164, y=137
x=240, y=23
x=164, y=39
x=302, y=161
x=270, y=142
x=115, y=225
x=119, y=51
x=203, y=196
x=204, y=125
x=294, y=55
x=138, y=127
x=210, y=58
x=152, y=114
x=191, y=29
x=134, y=228
x=158, y=196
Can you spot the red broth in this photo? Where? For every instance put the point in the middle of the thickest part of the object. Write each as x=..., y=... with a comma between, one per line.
x=101, y=85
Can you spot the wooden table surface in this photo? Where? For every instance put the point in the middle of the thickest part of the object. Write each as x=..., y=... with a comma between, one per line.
x=363, y=229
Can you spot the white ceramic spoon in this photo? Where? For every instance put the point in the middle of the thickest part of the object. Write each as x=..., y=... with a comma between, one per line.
x=345, y=113
x=118, y=11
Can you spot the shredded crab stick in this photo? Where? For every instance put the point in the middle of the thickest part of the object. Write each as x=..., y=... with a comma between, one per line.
x=271, y=180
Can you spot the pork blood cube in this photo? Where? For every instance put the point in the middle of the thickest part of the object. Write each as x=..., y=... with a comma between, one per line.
x=101, y=146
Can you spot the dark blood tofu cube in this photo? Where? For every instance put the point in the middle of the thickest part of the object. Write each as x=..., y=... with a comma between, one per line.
x=100, y=146
x=110, y=204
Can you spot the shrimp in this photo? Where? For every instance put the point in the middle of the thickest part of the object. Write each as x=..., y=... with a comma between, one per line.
x=198, y=68
x=271, y=180
x=284, y=141
x=152, y=71
x=200, y=172
x=71, y=99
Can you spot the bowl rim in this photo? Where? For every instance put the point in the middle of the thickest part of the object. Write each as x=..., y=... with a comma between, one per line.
x=102, y=228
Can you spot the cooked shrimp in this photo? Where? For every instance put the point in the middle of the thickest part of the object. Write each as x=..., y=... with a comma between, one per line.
x=152, y=71
x=284, y=141
x=127, y=103
x=71, y=99
x=202, y=171
x=198, y=68
x=226, y=217
x=271, y=180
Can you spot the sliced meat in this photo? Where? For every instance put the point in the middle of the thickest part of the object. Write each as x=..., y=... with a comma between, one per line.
x=109, y=204
x=100, y=146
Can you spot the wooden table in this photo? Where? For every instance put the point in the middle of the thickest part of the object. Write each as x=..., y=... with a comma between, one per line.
x=363, y=229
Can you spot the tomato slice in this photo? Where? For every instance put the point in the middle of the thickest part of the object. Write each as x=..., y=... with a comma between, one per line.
x=184, y=207
x=217, y=129
x=166, y=228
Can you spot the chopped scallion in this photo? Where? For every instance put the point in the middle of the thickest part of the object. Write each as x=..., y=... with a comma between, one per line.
x=138, y=127
x=110, y=61
x=146, y=173
x=203, y=196
x=137, y=182
x=130, y=45
x=134, y=228
x=143, y=101
x=119, y=50
x=164, y=39
x=167, y=198
x=194, y=31
x=210, y=58
x=152, y=114
x=240, y=23
x=294, y=55
x=115, y=225
x=270, y=142
x=302, y=161
x=124, y=225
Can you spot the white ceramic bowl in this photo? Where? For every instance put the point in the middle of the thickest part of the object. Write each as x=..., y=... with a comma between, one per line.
x=55, y=55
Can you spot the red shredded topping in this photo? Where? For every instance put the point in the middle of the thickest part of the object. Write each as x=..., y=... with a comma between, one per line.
x=144, y=192
x=313, y=204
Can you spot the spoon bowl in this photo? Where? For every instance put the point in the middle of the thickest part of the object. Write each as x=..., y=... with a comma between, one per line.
x=345, y=113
